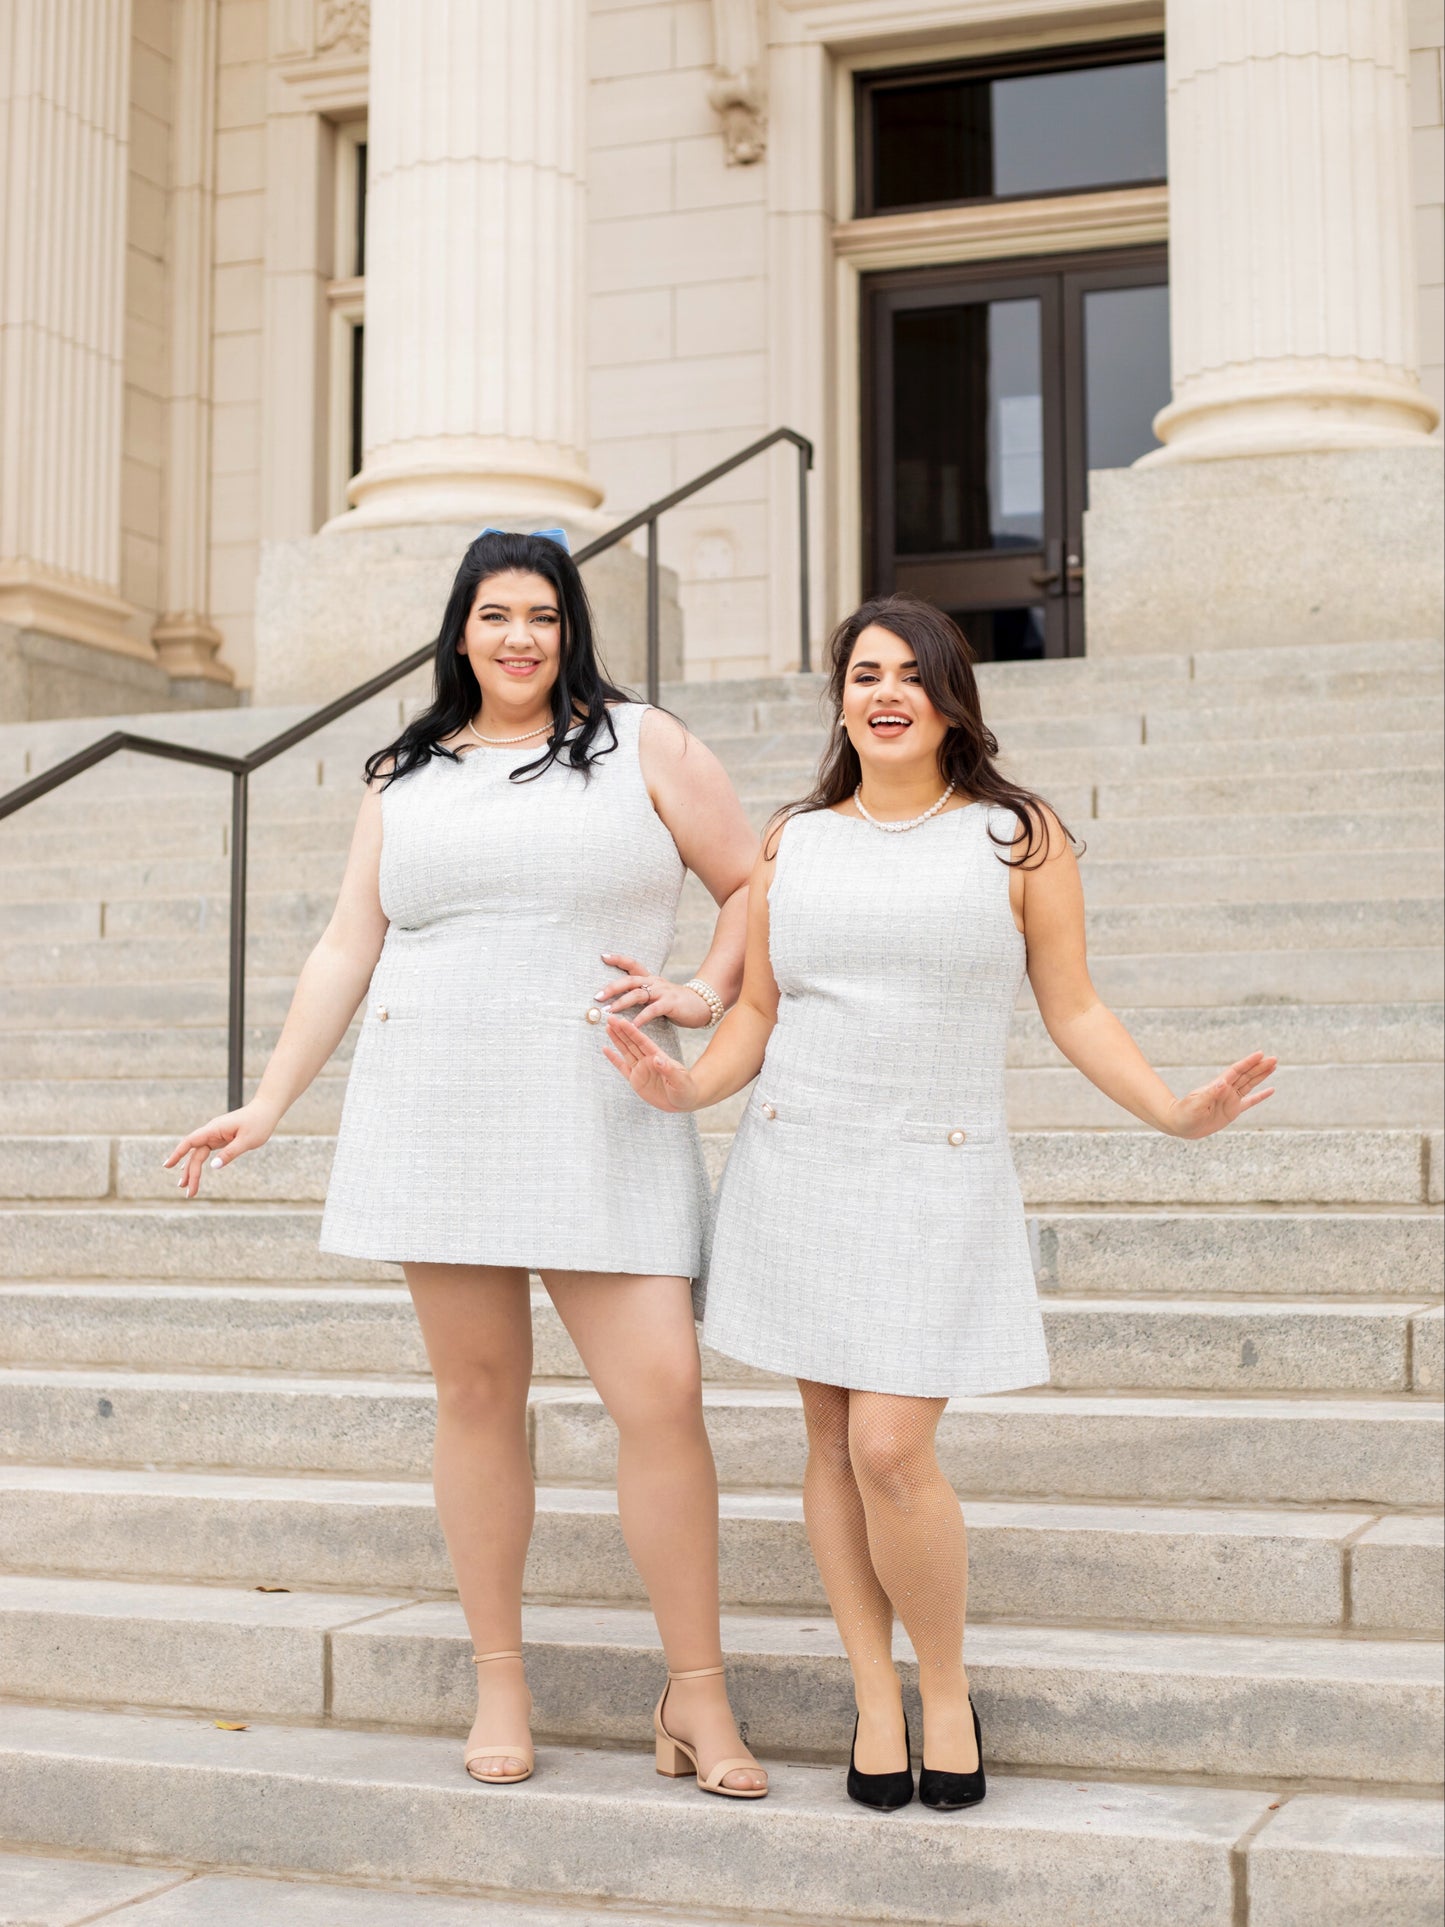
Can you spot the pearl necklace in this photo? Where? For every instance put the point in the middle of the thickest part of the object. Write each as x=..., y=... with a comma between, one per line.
x=913, y=821
x=500, y=742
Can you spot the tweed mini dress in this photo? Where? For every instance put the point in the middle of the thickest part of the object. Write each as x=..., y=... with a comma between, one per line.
x=482, y=1123
x=869, y=1229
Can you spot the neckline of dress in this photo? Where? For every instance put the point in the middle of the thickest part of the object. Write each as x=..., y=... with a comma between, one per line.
x=942, y=817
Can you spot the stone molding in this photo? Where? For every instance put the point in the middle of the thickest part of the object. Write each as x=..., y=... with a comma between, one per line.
x=34, y=597
x=344, y=25
x=1121, y=218
x=737, y=91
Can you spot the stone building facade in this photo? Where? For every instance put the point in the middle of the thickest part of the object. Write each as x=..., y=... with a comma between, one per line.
x=1116, y=324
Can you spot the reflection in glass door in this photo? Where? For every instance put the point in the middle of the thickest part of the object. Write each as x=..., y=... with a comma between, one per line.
x=989, y=394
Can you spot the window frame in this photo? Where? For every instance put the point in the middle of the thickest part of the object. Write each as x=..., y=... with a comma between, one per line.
x=869, y=82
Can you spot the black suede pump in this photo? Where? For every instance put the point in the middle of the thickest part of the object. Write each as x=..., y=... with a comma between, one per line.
x=884, y=1791
x=947, y=1792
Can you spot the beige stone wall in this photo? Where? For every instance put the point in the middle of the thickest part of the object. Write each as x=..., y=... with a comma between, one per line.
x=143, y=434
x=1427, y=136
x=676, y=328
x=236, y=360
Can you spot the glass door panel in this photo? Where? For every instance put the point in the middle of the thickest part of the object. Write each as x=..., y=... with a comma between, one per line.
x=989, y=394
x=968, y=428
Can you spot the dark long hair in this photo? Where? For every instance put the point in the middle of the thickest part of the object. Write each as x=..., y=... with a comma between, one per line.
x=965, y=756
x=580, y=691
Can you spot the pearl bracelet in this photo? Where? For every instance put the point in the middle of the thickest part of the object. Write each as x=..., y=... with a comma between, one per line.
x=709, y=997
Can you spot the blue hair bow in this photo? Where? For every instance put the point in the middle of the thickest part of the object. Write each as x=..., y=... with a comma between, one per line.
x=559, y=536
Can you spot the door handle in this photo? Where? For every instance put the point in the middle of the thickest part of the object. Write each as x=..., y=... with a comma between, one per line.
x=1052, y=573
x=1075, y=572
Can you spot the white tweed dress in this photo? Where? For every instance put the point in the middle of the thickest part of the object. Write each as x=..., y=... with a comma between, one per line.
x=869, y=1230
x=482, y=1123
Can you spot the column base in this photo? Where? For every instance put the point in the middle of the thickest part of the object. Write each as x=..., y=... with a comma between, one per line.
x=44, y=677
x=335, y=608
x=1337, y=546
x=187, y=648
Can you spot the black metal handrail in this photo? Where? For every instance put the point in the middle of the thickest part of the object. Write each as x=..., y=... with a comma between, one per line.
x=241, y=768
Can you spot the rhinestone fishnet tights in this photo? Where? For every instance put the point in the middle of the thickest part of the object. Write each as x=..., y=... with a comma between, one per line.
x=887, y=1534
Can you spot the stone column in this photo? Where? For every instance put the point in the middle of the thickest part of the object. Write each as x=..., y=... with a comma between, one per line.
x=185, y=638
x=64, y=115
x=1297, y=497
x=1291, y=271
x=475, y=316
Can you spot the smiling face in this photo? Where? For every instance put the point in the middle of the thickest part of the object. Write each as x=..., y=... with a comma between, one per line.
x=513, y=640
x=886, y=710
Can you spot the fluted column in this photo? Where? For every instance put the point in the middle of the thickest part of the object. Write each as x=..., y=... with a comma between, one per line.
x=186, y=639
x=475, y=343
x=1290, y=229
x=64, y=109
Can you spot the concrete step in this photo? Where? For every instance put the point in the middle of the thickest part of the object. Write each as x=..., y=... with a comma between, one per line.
x=1192, y=1252
x=364, y=1806
x=1133, y=1167
x=1242, y=1450
x=1250, y=1568
x=789, y=760
x=36, y=1888
x=1264, y=796
x=1325, y=1096
x=25, y=843
x=1366, y=876
x=1301, y=1035
x=1174, y=979
x=1305, y=1451
x=1166, y=1344
x=1084, y=1700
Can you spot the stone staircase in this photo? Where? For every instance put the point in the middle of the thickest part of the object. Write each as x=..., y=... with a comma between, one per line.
x=1206, y=1592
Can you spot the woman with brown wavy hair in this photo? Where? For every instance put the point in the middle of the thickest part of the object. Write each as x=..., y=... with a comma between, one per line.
x=870, y=1235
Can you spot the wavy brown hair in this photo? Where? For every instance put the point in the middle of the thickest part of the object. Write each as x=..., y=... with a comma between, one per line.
x=966, y=754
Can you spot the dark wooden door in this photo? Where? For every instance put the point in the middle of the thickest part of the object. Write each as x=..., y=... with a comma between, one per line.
x=989, y=392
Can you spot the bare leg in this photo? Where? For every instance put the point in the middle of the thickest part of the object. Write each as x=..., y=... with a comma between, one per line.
x=476, y=1321
x=637, y=1341
x=919, y=1549
x=838, y=1534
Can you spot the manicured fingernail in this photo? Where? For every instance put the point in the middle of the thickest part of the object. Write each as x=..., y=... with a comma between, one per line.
x=217, y=1162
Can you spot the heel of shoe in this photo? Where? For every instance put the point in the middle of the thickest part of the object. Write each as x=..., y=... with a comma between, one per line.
x=672, y=1760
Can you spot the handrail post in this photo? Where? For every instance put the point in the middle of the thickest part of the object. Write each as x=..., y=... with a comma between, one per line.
x=236, y=1011
x=805, y=644
x=654, y=617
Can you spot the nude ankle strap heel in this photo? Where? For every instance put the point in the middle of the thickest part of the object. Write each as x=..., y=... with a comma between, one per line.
x=677, y=1758
x=507, y=1749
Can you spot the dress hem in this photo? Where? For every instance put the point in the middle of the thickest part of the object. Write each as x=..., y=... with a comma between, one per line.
x=532, y=1262
x=1009, y=1383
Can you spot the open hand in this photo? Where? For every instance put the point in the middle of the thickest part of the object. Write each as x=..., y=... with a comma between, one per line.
x=224, y=1138
x=660, y=1079
x=657, y=997
x=1209, y=1109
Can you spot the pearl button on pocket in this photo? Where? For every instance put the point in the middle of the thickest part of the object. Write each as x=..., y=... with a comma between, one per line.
x=594, y=1015
x=382, y=1013
x=768, y=1111
x=957, y=1137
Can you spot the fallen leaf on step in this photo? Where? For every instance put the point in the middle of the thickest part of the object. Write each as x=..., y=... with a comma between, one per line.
x=271, y=1589
x=231, y=1726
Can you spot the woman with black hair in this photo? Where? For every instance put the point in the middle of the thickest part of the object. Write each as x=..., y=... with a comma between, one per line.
x=526, y=832
x=870, y=1236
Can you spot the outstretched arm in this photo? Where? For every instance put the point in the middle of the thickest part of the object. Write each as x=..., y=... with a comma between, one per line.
x=1050, y=900
x=735, y=1054
x=332, y=983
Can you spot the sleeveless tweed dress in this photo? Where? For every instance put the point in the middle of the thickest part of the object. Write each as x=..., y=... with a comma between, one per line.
x=869, y=1230
x=482, y=1123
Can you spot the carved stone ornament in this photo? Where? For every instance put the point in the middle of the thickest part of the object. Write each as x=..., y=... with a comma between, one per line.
x=343, y=25
x=737, y=90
